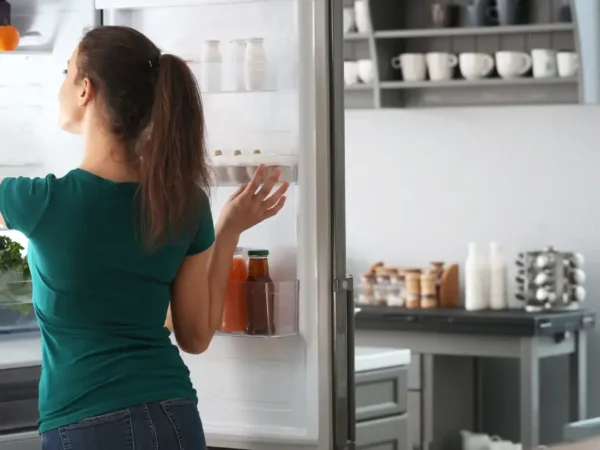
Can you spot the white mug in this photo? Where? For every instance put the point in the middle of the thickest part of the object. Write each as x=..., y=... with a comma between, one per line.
x=348, y=19
x=362, y=16
x=440, y=65
x=413, y=65
x=512, y=64
x=474, y=66
x=568, y=64
x=544, y=63
x=366, y=71
x=350, y=72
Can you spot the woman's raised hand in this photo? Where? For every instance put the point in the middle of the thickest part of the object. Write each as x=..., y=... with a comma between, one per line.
x=254, y=202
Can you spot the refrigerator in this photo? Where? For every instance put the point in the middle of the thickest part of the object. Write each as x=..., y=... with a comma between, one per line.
x=292, y=389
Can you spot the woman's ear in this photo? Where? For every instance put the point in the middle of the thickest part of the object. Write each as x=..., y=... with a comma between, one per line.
x=87, y=92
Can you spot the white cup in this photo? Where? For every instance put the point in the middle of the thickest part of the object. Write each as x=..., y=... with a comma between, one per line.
x=348, y=19
x=474, y=66
x=568, y=64
x=366, y=71
x=441, y=65
x=413, y=65
x=362, y=16
x=350, y=72
x=544, y=63
x=512, y=64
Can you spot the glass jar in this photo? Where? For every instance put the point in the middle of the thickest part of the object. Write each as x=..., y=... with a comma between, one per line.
x=382, y=288
x=396, y=291
x=366, y=295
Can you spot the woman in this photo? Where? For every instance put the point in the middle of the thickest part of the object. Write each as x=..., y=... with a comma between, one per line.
x=114, y=242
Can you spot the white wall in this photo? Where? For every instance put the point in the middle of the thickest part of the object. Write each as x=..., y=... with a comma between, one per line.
x=421, y=184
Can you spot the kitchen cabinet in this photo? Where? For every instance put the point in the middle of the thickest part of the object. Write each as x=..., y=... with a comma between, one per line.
x=382, y=412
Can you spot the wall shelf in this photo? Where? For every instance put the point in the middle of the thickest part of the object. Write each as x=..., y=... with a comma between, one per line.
x=485, y=82
x=476, y=31
x=405, y=26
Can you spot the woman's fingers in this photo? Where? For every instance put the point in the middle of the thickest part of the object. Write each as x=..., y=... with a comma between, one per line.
x=268, y=185
x=275, y=209
x=255, y=182
x=275, y=196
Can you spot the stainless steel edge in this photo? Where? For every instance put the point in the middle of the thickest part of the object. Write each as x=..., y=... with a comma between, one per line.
x=343, y=305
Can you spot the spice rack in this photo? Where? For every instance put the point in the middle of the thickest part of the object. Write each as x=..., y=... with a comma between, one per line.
x=274, y=314
x=410, y=288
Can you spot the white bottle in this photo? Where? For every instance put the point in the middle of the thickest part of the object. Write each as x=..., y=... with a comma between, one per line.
x=476, y=297
x=238, y=56
x=498, y=277
x=256, y=65
x=210, y=66
x=362, y=16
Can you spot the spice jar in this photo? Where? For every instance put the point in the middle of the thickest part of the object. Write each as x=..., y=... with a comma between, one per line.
x=382, y=287
x=429, y=290
x=437, y=267
x=396, y=292
x=413, y=289
x=366, y=293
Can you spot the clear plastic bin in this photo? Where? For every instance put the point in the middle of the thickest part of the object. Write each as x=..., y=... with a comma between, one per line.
x=16, y=307
x=276, y=314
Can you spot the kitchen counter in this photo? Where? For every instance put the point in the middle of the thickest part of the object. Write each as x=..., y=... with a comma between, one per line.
x=20, y=351
x=376, y=358
x=454, y=320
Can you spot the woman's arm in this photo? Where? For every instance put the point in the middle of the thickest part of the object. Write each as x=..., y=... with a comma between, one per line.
x=198, y=292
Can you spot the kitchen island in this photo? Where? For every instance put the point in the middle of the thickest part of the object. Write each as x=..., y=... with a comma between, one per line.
x=445, y=376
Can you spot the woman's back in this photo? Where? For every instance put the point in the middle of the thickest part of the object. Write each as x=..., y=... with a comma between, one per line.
x=101, y=296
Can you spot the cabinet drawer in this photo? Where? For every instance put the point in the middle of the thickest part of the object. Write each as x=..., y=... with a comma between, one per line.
x=381, y=393
x=383, y=434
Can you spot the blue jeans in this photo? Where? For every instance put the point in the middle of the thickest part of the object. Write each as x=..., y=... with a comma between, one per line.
x=169, y=425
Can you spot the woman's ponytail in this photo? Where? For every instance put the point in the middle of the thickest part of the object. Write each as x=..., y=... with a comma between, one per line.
x=174, y=173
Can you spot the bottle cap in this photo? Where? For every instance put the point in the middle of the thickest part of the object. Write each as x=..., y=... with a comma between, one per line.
x=258, y=252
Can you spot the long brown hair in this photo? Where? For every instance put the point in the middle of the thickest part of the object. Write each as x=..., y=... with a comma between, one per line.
x=152, y=103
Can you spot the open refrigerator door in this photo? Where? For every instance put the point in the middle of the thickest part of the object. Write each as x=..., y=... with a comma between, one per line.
x=263, y=67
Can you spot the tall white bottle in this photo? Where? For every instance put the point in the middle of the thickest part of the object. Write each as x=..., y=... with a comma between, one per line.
x=210, y=66
x=498, y=277
x=256, y=66
x=476, y=293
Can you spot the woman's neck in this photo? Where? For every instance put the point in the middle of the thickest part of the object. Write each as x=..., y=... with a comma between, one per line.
x=106, y=157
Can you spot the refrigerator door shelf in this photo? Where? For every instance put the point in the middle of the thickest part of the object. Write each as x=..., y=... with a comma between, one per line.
x=276, y=305
x=237, y=170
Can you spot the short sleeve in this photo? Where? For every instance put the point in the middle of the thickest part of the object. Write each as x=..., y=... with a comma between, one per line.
x=23, y=202
x=205, y=234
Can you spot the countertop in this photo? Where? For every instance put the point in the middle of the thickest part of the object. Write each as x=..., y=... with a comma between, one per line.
x=25, y=351
x=374, y=358
x=453, y=320
x=21, y=351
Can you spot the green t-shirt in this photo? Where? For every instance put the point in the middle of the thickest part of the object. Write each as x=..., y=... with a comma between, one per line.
x=99, y=294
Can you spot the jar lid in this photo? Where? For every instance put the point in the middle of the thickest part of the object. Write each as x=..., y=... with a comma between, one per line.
x=258, y=252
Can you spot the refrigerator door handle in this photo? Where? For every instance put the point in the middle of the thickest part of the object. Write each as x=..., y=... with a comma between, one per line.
x=343, y=289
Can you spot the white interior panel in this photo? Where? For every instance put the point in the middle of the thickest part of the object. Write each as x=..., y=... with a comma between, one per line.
x=256, y=392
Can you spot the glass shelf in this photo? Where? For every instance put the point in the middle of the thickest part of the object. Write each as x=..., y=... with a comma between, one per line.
x=237, y=170
x=16, y=306
x=270, y=309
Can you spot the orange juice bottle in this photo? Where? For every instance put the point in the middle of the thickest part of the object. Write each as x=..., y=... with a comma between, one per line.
x=235, y=314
